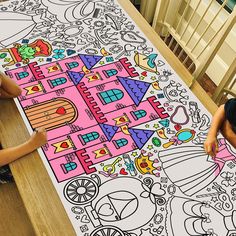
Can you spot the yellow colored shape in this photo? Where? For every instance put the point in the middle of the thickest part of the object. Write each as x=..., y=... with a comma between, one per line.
x=86, y=70
x=101, y=152
x=161, y=133
x=93, y=77
x=62, y=145
x=53, y=68
x=121, y=120
x=104, y=52
x=125, y=129
x=33, y=89
x=156, y=86
x=141, y=60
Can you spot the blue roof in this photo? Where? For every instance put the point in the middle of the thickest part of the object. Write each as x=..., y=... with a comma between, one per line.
x=140, y=136
x=136, y=89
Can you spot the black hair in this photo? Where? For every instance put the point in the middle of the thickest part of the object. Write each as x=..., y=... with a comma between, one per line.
x=230, y=112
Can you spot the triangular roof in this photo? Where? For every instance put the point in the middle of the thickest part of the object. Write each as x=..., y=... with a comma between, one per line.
x=109, y=130
x=136, y=89
x=76, y=77
x=140, y=136
x=90, y=60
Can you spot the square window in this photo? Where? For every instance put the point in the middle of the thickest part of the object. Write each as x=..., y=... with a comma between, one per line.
x=85, y=140
x=113, y=98
x=104, y=94
x=107, y=100
x=110, y=93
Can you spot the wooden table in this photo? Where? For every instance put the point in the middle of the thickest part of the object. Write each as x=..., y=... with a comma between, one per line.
x=41, y=201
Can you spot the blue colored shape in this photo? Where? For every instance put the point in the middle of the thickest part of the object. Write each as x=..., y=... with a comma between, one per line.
x=160, y=95
x=140, y=136
x=151, y=60
x=109, y=130
x=185, y=135
x=76, y=77
x=136, y=89
x=59, y=53
x=25, y=41
x=90, y=60
x=70, y=52
x=165, y=123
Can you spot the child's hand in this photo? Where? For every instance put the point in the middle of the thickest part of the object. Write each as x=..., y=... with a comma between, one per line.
x=38, y=138
x=211, y=146
x=8, y=88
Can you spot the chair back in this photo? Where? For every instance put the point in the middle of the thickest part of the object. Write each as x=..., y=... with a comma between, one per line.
x=227, y=85
x=195, y=30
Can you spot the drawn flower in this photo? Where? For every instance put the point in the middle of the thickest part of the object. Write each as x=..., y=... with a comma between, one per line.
x=58, y=53
x=228, y=179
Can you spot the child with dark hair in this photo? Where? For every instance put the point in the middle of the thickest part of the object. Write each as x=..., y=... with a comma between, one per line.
x=9, y=89
x=225, y=121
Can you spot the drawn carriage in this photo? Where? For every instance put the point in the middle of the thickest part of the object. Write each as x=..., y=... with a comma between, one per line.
x=115, y=207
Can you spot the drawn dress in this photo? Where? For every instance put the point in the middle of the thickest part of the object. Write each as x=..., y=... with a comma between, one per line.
x=191, y=169
x=188, y=217
x=11, y=33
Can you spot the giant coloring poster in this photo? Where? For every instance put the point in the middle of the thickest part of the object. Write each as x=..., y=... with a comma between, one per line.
x=125, y=135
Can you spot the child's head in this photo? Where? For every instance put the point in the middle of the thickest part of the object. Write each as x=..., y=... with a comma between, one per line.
x=230, y=112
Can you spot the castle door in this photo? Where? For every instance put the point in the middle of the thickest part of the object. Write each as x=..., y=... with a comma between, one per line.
x=51, y=114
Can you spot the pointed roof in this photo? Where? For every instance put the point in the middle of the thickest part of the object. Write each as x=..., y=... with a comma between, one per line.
x=140, y=136
x=90, y=60
x=76, y=77
x=136, y=89
x=109, y=130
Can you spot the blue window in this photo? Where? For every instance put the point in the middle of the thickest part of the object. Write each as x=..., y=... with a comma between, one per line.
x=139, y=114
x=58, y=81
x=121, y=142
x=70, y=166
x=111, y=95
x=72, y=65
x=109, y=73
x=90, y=137
x=23, y=75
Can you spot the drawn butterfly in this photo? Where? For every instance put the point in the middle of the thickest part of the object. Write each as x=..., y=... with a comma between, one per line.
x=58, y=53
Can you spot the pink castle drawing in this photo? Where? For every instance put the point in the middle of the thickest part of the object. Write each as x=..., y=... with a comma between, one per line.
x=90, y=111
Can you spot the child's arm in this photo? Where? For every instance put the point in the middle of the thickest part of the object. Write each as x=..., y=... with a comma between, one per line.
x=8, y=88
x=228, y=133
x=9, y=155
x=211, y=144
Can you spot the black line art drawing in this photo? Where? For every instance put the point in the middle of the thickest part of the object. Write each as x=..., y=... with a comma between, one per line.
x=180, y=111
x=26, y=24
x=205, y=124
x=126, y=137
x=70, y=11
x=190, y=217
x=191, y=169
